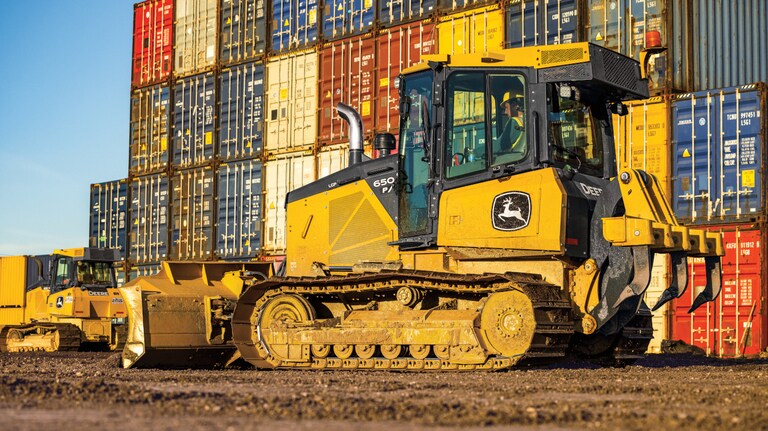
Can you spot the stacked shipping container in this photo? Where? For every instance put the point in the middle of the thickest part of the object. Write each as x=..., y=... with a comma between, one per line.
x=227, y=120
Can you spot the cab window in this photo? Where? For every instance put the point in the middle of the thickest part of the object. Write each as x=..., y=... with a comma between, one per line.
x=63, y=268
x=573, y=133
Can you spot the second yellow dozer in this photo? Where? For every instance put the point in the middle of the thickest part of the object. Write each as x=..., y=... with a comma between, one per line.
x=480, y=244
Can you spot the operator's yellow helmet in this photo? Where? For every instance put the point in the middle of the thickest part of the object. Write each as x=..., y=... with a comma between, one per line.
x=513, y=97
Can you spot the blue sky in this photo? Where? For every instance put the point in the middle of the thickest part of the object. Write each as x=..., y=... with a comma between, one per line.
x=64, y=116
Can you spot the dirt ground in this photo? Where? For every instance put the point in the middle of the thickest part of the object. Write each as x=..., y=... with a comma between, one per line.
x=87, y=389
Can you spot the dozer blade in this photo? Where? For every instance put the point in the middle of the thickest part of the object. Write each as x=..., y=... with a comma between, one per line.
x=181, y=317
x=679, y=279
x=616, y=288
x=714, y=283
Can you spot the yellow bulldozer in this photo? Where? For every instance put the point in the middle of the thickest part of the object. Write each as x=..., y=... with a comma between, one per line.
x=61, y=302
x=499, y=234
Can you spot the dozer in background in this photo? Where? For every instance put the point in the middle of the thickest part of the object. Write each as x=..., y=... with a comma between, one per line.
x=460, y=252
x=61, y=301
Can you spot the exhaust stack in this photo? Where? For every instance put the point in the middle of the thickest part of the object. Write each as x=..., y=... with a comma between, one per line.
x=348, y=114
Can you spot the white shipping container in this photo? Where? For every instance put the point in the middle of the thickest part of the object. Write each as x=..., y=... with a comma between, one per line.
x=195, y=36
x=660, y=279
x=282, y=175
x=332, y=159
x=291, y=102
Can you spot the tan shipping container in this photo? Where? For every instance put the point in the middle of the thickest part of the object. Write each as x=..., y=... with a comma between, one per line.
x=643, y=141
x=283, y=174
x=291, y=118
x=195, y=36
x=332, y=159
x=476, y=30
x=660, y=279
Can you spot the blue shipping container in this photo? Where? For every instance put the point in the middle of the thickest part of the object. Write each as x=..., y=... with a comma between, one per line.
x=243, y=30
x=193, y=120
x=143, y=271
x=148, y=232
x=535, y=22
x=192, y=214
x=109, y=215
x=342, y=18
x=241, y=111
x=717, y=144
x=239, y=210
x=394, y=12
x=150, y=129
x=294, y=24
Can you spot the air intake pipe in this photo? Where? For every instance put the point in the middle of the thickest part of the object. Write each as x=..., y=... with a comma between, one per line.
x=348, y=114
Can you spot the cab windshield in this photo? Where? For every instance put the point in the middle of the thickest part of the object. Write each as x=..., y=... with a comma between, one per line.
x=415, y=129
x=573, y=134
x=94, y=273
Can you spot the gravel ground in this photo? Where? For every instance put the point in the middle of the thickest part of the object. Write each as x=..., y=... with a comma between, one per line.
x=87, y=389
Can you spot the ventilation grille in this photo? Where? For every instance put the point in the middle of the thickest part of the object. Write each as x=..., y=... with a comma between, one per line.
x=356, y=232
x=619, y=70
x=564, y=55
x=573, y=72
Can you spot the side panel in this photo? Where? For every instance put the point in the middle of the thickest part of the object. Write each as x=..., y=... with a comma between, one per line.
x=109, y=215
x=394, y=12
x=195, y=46
x=642, y=139
x=194, y=121
x=243, y=34
x=295, y=24
x=398, y=48
x=148, y=234
x=150, y=129
x=192, y=212
x=282, y=175
x=477, y=30
x=347, y=74
x=485, y=215
x=152, y=42
x=241, y=111
x=13, y=282
x=238, y=227
x=536, y=22
x=718, y=139
x=720, y=327
x=292, y=102
x=342, y=18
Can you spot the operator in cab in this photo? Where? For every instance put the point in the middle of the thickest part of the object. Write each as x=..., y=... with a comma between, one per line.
x=512, y=138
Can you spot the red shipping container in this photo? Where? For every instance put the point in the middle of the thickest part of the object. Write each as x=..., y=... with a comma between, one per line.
x=347, y=74
x=729, y=326
x=398, y=48
x=152, y=42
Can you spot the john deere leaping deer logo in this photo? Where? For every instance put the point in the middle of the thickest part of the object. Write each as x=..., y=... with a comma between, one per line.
x=511, y=211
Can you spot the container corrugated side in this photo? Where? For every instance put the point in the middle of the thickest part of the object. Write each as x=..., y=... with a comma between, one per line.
x=152, y=42
x=660, y=279
x=642, y=139
x=243, y=35
x=348, y=75
x=719, y=327
x=137, y=271
x=148, y=231
x=291, y=121
x=541, y=22
x=332, y=159
x=238, y=227
x=476, y=30
x=343, y=18
x=718, y=156
x=241, y=111
x=195, y=36
x=295, y=24
x=120, y=276
x=282, y=175
x=448, y=6
x=109, y=215
x=396, y=12
x=194, y=102
x=729, y=46
x=13, y=283
x=150, y=130
x=398, y=48
x=192, y=214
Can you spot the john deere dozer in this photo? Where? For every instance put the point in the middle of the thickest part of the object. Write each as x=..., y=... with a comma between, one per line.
x=499, y=234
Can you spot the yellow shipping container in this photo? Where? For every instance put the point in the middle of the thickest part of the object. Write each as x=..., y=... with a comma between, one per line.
x=475, y=30
x=643, y=140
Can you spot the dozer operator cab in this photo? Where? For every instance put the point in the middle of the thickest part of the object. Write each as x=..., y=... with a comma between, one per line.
x=84, y=268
